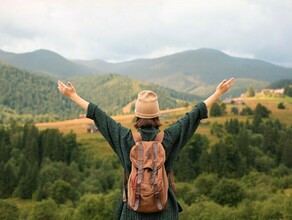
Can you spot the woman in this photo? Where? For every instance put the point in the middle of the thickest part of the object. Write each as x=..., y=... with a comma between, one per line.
x=147, y=124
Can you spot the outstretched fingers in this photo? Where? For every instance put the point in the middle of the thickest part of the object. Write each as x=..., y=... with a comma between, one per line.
x=61, y=86
x=230, y=81
x=228, y=84
x=71, y=85
x=221, y=85
x=67, y=90
x=223, y=81
x=225, y=85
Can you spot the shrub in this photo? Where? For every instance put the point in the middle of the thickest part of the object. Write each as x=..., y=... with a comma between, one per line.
x=228, y=192
x=234, y=110
x=205, y=183
x=262, y=111
x=287, y=208
x=8, y=211
x=207, y=210
x=46, y=209
x=186, y=192
x=91, y=207
x=272, y=209
x=281, y=105
x=63, y=191
x=246, y=111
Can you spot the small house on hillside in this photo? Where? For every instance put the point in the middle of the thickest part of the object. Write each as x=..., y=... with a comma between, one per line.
x=278, y=92
x=82, y=116
x=91, y=128
x=236, y=101
x=228, y=101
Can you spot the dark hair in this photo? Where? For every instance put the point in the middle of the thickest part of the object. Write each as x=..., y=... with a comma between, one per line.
x=151, y=122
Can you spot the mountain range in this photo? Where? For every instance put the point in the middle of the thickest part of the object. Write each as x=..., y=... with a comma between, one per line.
x=45, y=61
x=194, y=71
x=34, y=95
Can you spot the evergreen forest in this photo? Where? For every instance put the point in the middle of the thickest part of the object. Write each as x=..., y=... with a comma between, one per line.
x=244, y=171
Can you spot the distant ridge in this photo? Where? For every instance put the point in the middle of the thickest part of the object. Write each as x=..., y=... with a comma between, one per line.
x=198, y=71
x=193, y=71
x=208, y=65
x=47, y=62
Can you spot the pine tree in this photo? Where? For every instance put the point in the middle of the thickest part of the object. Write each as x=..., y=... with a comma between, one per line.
x=215, y=110
x=71, y=147
x=286, y=142
x=250, y=91
x=232, y=126
x=288, y=90
x=219, y=159
x=28, y=184
x=5, y=145
x=270, y=140
x=30, y=143
x=8, y=180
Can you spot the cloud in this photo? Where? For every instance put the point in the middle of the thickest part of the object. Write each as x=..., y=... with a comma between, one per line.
x=128, y=29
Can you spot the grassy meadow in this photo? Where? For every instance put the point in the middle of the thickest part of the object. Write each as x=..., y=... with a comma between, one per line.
x=95, y=144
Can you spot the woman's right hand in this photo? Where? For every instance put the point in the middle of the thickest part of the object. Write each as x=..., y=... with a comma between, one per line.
x=224, y=86
x=220, y=90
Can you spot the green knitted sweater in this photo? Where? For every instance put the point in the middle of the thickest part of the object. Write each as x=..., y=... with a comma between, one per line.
x=121, y=141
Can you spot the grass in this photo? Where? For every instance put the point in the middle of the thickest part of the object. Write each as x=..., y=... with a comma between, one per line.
x=96, y=145
x=284, y=115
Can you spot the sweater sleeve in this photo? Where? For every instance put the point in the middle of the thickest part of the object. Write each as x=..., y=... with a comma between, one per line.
x=111, y=130
x=180, y=132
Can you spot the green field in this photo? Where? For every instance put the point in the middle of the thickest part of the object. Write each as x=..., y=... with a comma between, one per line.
x=96, y=145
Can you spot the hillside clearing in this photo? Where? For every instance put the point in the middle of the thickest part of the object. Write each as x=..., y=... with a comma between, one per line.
x=95, y=143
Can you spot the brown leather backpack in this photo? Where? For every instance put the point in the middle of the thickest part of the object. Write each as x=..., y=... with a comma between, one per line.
x=148, y=182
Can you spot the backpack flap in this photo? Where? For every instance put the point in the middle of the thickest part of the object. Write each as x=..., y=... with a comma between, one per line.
x=147, y=155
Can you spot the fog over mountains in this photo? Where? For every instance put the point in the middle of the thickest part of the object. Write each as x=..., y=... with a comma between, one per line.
x=194, y=71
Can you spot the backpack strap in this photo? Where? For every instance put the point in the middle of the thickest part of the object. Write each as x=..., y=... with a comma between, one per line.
x=125, y=179
x=159, y=136
x=140, y=166
x=171, y=178
x=154, y=173
x=137, y=136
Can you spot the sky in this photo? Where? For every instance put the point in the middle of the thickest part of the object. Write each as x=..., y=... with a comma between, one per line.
x=121, y=30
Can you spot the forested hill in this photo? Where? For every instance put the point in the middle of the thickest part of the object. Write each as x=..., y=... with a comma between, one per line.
x=112, y=92
x=23, y=92
x=280, y=84
x=27, y=93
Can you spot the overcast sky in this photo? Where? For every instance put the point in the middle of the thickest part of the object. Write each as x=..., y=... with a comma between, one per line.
x=119, y=30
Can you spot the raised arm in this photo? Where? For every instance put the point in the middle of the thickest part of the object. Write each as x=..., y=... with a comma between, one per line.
x=220, y=90
x=71, y=93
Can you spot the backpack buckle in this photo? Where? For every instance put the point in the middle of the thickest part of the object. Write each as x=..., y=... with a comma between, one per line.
x=137, y=195
x=156, y=194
